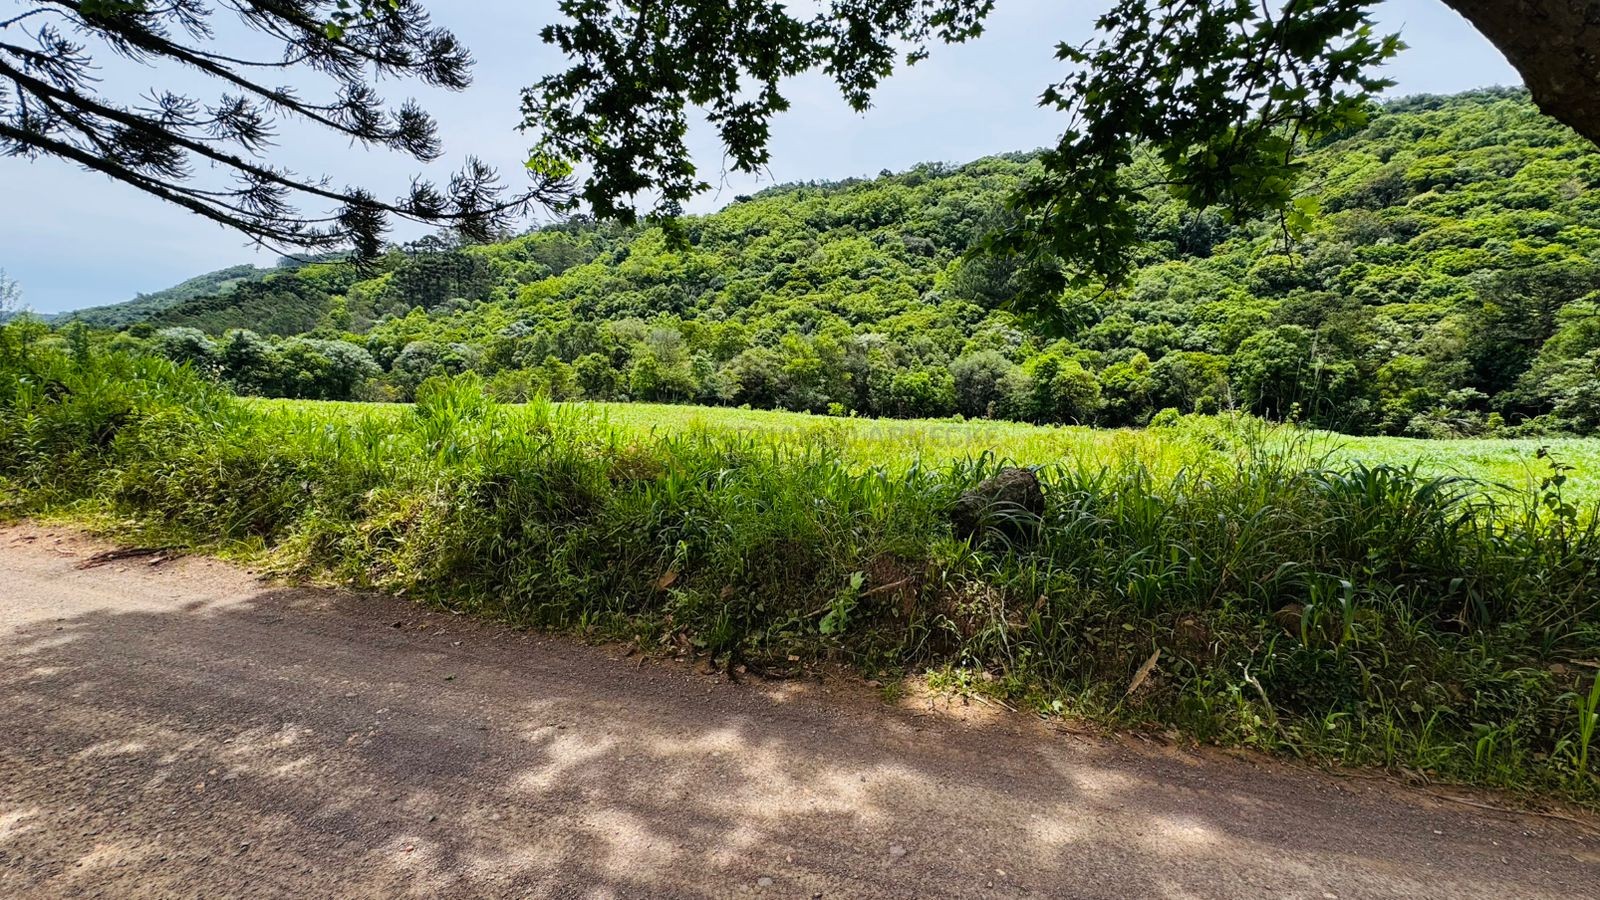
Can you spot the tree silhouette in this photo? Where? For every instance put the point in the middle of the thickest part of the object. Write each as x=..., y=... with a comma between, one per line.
x=52, y=105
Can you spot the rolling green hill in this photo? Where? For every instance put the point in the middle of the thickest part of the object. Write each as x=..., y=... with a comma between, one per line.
x=1448, y=287
x=214, y=300
x=146, y=306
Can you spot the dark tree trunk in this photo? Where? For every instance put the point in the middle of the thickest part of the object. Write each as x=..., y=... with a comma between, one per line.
x=1555, y=45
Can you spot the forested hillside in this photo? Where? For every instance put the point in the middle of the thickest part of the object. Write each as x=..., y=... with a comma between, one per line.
x=1447, y=286
x=145, y=306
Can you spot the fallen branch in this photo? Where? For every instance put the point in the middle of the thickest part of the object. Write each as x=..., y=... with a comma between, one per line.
x=1590, y=827
x=994, y=702
x=880, y=589
x=1144, y=672
x=886, y=588
x=111, y=556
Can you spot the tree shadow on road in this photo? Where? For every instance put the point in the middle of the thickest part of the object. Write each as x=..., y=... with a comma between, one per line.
x=312, y=742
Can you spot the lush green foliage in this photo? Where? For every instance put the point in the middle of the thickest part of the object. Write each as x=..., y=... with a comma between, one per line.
x=1360, y=612
x=1216, y=97
x=1210, y=101
x=1447, y=287
x=622, y=107
x=1213, y=100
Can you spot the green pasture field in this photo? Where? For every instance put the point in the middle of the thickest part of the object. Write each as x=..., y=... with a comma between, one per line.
x=1499, y=464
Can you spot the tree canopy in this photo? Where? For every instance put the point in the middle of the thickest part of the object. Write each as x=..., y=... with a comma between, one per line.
x=1222, y=96
x=167, y=143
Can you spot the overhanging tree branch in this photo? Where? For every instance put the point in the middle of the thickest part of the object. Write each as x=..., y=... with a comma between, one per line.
x=1224, y=92
x=50, y=105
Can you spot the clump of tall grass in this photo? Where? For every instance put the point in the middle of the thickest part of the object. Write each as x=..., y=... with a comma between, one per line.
x=1371, y=614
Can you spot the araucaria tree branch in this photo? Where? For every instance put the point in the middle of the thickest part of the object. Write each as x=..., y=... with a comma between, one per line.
x=51, y=105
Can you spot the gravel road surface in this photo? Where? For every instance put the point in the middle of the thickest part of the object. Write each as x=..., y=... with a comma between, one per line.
x=184, y=729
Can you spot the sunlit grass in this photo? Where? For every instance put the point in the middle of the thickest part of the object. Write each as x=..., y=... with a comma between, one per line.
x=896, y=443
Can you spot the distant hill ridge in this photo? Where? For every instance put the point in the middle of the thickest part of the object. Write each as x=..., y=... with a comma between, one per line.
x=200, y=288
x=143, y=306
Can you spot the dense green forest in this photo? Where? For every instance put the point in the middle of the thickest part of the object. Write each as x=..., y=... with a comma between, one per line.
x=1449, y=284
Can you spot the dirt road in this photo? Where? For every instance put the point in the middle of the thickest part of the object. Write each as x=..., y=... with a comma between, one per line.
x=186, y=730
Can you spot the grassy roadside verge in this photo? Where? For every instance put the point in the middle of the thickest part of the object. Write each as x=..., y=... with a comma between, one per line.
x=1368, y=615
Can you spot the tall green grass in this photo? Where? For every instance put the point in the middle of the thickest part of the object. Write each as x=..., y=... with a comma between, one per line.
x=1494, y=464
x=1367, y=613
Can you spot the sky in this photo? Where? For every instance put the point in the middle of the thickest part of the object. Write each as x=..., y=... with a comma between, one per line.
x=73, y=239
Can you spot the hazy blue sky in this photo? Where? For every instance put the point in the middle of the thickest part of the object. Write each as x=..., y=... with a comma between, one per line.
x=76, y=239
